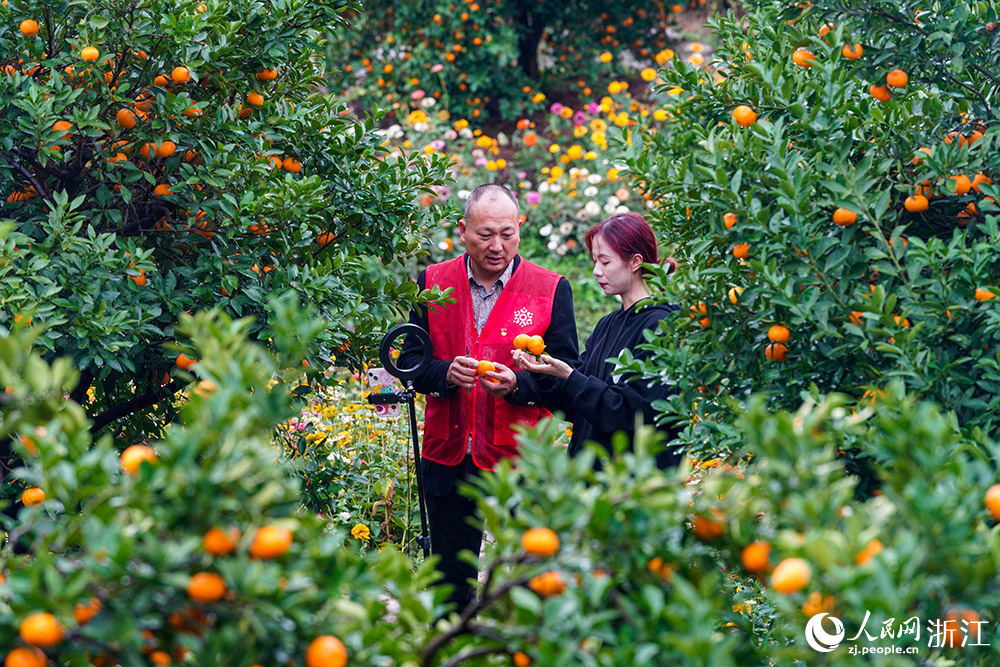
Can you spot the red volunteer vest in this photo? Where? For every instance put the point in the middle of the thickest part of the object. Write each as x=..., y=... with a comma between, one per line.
x=524, y=306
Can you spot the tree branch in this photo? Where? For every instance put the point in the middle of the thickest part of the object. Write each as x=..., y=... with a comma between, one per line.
x=127, y=407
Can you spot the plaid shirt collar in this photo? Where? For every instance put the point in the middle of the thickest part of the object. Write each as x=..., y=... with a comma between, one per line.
x=502, y=280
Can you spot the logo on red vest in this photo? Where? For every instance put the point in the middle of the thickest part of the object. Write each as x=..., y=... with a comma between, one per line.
x=523, y=317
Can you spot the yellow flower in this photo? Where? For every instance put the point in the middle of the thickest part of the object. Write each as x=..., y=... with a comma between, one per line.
x=484, y=142
x=460, y=124
x=660, y=114
x=675, y=90
x=696, y=47
x=696, y=59
x=491, y=166
x=555, y=172
x=539, y=97
x=613, y=173
x=621, y=120
x=574, y=152
x=566, y=112
x=590, y=155
x=606, y=57
x=598, y=125
x=501, y=163
x=554, y=148
x=579, y=131
x=416, y=116
x=599, y=139
x=664, y=56
x=361, y=532
x=648, y=74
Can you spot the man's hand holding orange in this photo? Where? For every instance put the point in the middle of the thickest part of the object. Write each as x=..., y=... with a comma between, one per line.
x=463, y=372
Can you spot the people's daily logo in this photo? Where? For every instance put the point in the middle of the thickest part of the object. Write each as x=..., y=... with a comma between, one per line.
x=818, y=638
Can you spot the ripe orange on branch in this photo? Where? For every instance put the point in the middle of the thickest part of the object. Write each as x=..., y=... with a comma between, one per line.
x=844, y=217
x=271, y=542
x=134, y=455
x=90, y=54
x=803, y=57
x=744, y=116
x=26, y=656
x=41, y=629
x=852, y=53
x=33, y=496
x=219, y=542
x=897, y=78
x=540, y=542
x=326, y=651
x=916, y=203
x=791, y=575
x=206, y=587
x=778, y=334
x=756, y=557
x=29, y=27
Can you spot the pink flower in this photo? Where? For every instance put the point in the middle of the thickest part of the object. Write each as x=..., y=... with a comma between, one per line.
x=556, y=107
x=481, y=161
x=579, y=118
x=417, y=95
x=522, y=174
x=533, y=198
x=437, y=68
x=593, y=108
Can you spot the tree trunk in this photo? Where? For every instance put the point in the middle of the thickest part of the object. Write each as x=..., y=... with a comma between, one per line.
x=530, y=28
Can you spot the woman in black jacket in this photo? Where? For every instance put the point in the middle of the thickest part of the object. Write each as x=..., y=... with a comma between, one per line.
x=595, y=396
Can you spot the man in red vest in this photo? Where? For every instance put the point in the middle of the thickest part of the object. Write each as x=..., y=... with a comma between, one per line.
x=468, y=421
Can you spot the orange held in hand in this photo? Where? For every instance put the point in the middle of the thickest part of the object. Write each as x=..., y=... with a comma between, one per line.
x=486, y=367
x=536, y=345
x=521, y=341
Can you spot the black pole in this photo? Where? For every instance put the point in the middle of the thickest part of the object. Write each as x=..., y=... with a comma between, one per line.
x=423, y=540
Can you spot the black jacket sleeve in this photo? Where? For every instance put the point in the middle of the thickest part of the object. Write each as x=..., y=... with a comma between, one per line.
x=431, y=381
x=613, y=405
x=561, y=343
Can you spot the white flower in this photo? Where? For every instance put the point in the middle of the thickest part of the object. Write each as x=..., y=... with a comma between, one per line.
x=345, y=516
x=555, y=187
x=561, y=250
x=546, y=230
x=592, y=208
x=543, y=186
x=443, y=245
x=420, y=127
x=428, y=102
x=395, y=131
x=594, y=179
x=503, y=139
x=609, y=209
x=465, y=133
x=463, y=194
x=650, y=203
x=590, y=191
x=622, y=209
x=566, y=228
x=613, y=201
x=553, y=244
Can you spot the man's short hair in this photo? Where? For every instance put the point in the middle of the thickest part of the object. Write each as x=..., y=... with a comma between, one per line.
x=488, y=192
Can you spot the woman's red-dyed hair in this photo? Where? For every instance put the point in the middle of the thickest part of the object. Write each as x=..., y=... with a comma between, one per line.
x=629, y=234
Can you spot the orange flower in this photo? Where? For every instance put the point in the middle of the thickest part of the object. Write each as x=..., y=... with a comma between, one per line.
x=530, y=139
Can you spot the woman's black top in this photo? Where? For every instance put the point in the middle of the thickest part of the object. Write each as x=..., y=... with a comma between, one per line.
x=597, y=398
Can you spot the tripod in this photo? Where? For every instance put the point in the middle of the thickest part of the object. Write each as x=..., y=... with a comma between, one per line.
x=408, y=395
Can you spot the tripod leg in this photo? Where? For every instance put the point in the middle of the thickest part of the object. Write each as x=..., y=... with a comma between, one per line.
x=424, y=540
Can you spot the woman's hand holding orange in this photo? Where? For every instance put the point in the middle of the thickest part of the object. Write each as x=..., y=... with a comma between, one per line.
x=543, y=364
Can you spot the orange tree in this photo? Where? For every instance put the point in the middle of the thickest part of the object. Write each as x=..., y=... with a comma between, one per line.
x=160, y=158
x=192, y=548
x=489, y=58
x=830, y=191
